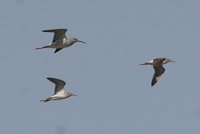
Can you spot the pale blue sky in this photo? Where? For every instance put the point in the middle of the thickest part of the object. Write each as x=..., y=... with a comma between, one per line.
x=115, y=96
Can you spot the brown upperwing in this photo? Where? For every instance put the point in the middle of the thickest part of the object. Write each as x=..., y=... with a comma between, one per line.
x=158, y=61
x=159, y=70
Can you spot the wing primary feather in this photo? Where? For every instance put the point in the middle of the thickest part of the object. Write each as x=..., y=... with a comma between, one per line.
x=59, y=84
x=58, y=49
x=59, y=34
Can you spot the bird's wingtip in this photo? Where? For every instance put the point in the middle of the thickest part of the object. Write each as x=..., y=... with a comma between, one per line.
x=48, y=78
x=37, y=48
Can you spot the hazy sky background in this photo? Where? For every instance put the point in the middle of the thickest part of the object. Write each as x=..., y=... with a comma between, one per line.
x=115, y=96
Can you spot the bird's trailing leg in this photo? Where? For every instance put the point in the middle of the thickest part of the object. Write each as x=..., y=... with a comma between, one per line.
x=47, y=46
x=46, y=100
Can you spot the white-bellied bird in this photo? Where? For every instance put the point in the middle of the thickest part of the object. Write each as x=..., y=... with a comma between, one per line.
x=59, y=92
x=60, y=40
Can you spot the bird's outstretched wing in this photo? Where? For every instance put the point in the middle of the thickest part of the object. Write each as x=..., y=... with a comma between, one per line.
x=58, y=33
x=159, y=70
x=59, y=84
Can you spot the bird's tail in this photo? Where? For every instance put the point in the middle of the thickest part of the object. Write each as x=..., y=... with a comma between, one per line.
x=47, y=46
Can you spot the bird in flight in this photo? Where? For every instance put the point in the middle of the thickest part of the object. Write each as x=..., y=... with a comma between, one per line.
x=59, y=92
x=60, y=40
x=158, y=68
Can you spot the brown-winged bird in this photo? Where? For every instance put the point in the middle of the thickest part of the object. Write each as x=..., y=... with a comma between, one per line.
x=158, y=68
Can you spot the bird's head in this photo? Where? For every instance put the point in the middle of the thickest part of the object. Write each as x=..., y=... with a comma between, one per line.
x=74, y=40
x=72, y=94
x=167, y=61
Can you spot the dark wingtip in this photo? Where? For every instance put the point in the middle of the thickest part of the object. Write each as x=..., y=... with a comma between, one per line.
x=49, y=78
x=58, y=49
x=153, y=83
x=38, y=48
x=55, y=51
x=53, y=30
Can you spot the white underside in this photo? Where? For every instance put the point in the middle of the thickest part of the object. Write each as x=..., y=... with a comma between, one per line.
x=59, y=45
x=151, y=61
x=58, y=97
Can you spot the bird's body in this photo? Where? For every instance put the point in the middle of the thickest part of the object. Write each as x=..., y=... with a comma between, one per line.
x=59, y=92
x=60, y=40
x=58, y=96
x=158, y=68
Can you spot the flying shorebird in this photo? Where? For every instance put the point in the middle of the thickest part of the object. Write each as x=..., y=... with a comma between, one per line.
x=59, y=92
x=158, y=67
x=60, y=40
